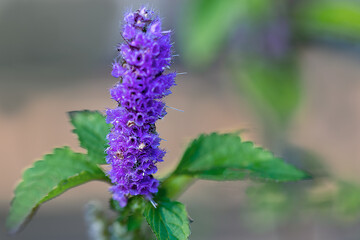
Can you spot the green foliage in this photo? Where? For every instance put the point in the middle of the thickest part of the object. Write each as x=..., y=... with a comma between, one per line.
x=274, y=204
x=342, y=201
x=347, y=200
x=273, y=88
x=129, y=215
x=209, y=23
x=48, y=178
x=169, y=221
x=267, y=205
x=226, y=157
x=103, y=227
x=339, y=19
x=213, y=157
x=91, y=129
x=205, y=28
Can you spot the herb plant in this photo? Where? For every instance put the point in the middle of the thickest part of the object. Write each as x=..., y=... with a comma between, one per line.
x=127, y=142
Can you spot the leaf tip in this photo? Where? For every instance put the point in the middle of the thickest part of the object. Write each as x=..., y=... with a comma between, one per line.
x=72, y=114
x=307, y=176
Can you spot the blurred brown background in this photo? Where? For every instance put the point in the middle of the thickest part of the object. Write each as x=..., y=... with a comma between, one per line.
x=55, y=57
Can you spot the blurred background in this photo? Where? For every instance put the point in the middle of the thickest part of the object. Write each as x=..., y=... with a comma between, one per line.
x=284, y=71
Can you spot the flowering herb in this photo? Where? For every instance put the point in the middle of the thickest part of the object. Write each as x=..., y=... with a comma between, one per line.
x=133, y=141
x=127, y=140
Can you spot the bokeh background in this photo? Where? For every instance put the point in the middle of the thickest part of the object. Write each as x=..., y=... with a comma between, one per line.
x=284, y=71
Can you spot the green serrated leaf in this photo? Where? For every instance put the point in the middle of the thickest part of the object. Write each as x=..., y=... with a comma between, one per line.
x=48, y=178
x=169, y=221
x=226, y=157
x=339, y=19
x=91, y=128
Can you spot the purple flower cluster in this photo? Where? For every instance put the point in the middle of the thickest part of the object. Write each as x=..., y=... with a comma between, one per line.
x=133, y=141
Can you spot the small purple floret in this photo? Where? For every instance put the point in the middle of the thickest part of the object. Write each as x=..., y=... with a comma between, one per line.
x=133, y=141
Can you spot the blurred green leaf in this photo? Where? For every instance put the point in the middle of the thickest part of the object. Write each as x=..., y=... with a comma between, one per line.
x=273, y=88
x=91, y=129
x=342, y=201
x=339, y=19
x=347, y=201
x=169, y=221
x=267, y=205
x=209, y=23
x=226, y=157
x=272, y=204
x=48, y=178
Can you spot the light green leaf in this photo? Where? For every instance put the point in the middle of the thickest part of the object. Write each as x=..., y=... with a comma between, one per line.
x=273, y=88
x=48, y=178
x=340, y=201
x=338, y=19
x=347, y=202
x=169, y=221
x=270, y=204
x=91, y=129
x=209, y=23
x=226, y=157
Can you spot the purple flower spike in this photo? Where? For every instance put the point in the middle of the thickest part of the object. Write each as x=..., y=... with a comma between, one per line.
x=133, y=141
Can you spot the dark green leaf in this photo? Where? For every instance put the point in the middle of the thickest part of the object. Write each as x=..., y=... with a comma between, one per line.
x=169, y=221
x=338, y=19
x=91, y=129
x=135, y=221
x=47, y=179
x=226, y=157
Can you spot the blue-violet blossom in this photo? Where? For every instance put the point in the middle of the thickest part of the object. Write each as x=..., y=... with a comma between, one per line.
x=133, y=141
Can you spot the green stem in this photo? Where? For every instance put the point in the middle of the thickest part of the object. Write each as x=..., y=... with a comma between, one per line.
x=173, y=186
